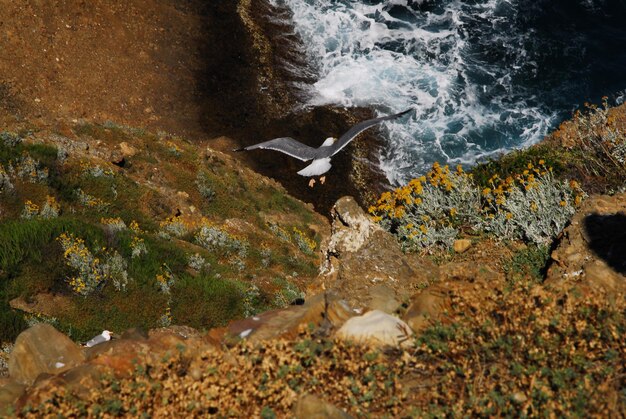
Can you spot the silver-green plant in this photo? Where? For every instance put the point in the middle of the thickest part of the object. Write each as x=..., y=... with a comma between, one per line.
x=213, y=238
x=115, y=269
x=31, y=170
x=536, y=210
x=10, y=139
x=50, y=209
x=197, y=262
x=205, y=187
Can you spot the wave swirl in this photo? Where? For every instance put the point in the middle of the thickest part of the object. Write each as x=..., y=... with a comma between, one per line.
x=483, y=76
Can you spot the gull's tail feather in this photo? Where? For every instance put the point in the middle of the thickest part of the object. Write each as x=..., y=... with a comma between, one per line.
x=316, y=168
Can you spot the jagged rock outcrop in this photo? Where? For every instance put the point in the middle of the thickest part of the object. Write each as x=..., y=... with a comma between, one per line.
x=592, y=252
x=360, y=256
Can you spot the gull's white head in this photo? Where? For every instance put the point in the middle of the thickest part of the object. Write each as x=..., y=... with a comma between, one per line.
x=329, y=141
x=106, y=334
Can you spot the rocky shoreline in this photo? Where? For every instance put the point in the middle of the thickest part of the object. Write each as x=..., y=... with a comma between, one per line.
x=252, y=303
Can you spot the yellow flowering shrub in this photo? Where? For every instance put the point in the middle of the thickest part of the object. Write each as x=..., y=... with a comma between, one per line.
x=173, y=226
x=305, y=244
x=92, y=272
x=90, y=275
x=31, y=210
x=430, y=210
x=50, y=209
x=435, y=208
x=113, y=224
x=91, y=201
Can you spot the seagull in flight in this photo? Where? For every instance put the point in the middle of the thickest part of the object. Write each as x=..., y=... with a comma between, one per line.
x=321, y=156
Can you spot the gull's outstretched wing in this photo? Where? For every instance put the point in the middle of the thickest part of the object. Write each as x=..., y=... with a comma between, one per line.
x=285, y=145
x=345, y=139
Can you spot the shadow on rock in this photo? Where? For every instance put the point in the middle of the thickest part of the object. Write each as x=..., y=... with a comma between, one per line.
x=606, y=235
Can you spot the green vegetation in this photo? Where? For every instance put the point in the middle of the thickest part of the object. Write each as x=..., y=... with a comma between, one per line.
x=528, y=264
x=100, y=238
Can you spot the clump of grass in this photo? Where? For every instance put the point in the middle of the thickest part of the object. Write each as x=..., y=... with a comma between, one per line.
x=528, y=264
x=22, y=241
x=190, y=296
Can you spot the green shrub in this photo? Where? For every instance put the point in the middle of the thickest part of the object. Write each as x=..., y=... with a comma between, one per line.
x=205, y=301
x=24, y=239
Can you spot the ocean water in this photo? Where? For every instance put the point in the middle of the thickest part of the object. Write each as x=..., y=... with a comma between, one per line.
x=483, y=77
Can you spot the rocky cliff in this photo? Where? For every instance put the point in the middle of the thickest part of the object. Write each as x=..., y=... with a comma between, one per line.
x=122, y=209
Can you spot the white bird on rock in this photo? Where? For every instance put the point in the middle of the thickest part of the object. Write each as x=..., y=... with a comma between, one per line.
x=321, y=156
x=105, y=336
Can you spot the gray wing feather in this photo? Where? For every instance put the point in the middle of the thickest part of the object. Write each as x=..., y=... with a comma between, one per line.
x=288, y=146
x=345, y=139
x=95, y=341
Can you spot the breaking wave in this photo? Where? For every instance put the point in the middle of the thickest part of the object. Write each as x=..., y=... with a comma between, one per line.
x=484, y=77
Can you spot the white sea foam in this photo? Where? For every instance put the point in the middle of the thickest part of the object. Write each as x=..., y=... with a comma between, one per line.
x=467, y=108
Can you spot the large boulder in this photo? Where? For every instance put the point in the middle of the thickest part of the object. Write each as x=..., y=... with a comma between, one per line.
x=361, y=255
x=42, y=349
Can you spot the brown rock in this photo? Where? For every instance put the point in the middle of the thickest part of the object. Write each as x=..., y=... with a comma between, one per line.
x=42, y=349
x=591, y=255
x=470, y=272
x=461, y=245
x=361, y=255
x=426, y=307
x=433, y=304
x=127, y=150
x=43, y=303
x=383, y=298
x=82, y=379
x=126, y=348
x=10, y=391
x=312, y=407
x=326, y=311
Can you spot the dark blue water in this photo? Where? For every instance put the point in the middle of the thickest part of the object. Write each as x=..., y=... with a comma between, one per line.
x=483, y=77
